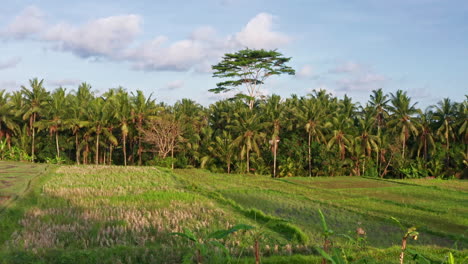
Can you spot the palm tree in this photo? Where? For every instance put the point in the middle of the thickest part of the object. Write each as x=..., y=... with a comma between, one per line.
x=78, y=119
x=445, y=115
x=35, y=100
x=192, y=117
x=379, y=102
x=462, y=118
x=274, y=112
x=365, y=138
x=143, y=109
x=311, y=115
x=8, y=123
x=100, y=115
x=223, y=148
x=342, y=124
x=122, y=114
x=402, y=117
x=425, y=138
x=55, y=113
x=249, y=128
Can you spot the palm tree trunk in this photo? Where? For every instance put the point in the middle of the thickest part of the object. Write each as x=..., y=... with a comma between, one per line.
x=378, y=149
x=77, y=149
x=404, y=145
x=97, y=149
x=310, y=156
x=57, y=144
x=248, y=163
x=33, y=136
x=139, y=150
x=125, y=149
x=274, y=158
x=110, y=154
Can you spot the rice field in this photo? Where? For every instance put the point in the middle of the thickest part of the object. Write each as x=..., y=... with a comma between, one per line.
x=110, y=214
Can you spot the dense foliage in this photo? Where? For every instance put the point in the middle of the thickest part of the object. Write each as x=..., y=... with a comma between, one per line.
x=319, y=134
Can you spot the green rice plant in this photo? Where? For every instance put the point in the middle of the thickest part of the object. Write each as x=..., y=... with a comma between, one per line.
x=202, y=244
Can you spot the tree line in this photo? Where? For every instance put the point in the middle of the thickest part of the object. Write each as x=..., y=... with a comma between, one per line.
x=312, y=135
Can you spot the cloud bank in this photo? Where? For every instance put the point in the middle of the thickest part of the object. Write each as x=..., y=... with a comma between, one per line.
x=116, y=38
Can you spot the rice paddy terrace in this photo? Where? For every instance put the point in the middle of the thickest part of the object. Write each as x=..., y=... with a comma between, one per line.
x=110, y=214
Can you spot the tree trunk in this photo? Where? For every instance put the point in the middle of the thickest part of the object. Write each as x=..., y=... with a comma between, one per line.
x=77, y=149
x=97, y=149
x=110, y=154
x=57, y=144
x=229, y=166
x=275, y=148
x=310, y=156
x=378, y=149
x=33, y=136
x=257, y=252
x=404, y=145
x=172, y=158
x=125, y=149
x=248, y=163
x=139, y=151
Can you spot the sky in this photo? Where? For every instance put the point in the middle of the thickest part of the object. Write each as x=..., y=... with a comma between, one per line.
x=166, y=48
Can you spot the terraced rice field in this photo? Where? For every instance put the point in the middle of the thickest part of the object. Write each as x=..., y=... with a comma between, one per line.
x=109, y=214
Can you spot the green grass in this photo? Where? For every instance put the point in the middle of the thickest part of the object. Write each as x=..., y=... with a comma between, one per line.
x=108, y=214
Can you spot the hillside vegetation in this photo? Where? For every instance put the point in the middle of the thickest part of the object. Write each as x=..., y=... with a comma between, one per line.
x=109, y=214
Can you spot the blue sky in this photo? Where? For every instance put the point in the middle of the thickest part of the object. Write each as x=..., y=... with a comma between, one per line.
x=166, y=47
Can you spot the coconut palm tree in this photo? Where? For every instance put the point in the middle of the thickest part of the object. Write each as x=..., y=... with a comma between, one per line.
x=143, y=109
x=426, y=137
x=8, y=123
x=379, y=102
x=341, y=125
x=192, y=118
x=445, y=116
x=223, y=148
x=123, y=109
x=35, y=101
x=402, y=118
x=311, y=116
x=78, y=119
x=367, y=140
x=55, y=116
x=249, y=129
x=273, y=113
x=100, y=114
x=462, y=120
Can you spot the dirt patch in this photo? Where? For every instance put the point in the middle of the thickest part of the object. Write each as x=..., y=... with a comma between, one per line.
x=7, y=167
x=4, y=198
x=5, y=183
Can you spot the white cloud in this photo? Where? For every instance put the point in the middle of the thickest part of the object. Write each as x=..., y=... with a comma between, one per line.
x=29, y=22
x=203, y=47
x=175, y=85
x=115, y=38
x=348, y=67
x=10, y=63
x=178, y=56
x=258, y=34
x=64, y=82
x=307, y=71
x=101, y=37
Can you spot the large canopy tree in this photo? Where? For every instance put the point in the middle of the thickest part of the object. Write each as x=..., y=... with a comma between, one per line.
x=249, y=68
